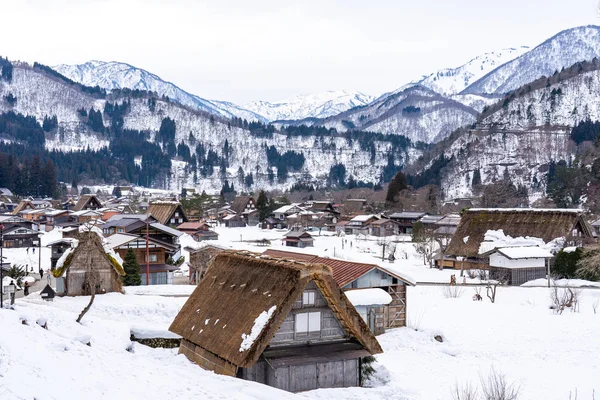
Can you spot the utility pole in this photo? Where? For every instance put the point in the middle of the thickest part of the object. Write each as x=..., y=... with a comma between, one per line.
x=147, y=250
x=1, y=267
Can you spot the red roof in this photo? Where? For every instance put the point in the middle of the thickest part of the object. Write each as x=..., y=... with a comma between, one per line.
x=344, y=272
x=191, y=226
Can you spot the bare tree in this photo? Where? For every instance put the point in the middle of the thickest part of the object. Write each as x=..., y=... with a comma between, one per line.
x=492, y=283
x=465, y=392
x=495, y=387
x=92, y=279
x=563, y=298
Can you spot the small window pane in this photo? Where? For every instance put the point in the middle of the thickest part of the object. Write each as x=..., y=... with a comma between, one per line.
x=314, y=322
x=308, y=298
x=302, y=323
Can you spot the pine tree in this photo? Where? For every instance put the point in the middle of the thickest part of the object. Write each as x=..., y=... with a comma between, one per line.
x=262, y=205
x=132, y=270
x=396, y=185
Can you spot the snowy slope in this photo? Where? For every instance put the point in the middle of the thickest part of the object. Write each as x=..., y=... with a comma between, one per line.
x=39, y=95
x=319, y=105
x=117, y=75
x=561, y=50
x=564, y=103
x=450, y=81
x=437, y=118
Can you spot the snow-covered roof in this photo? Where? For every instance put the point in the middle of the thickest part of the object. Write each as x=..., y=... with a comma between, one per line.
x=496, y=239
x=561, y=210
x=407, y=215
x=362, y=218
x=518, y=253
x=368, y=297
x=286, y=208
x=120, y=239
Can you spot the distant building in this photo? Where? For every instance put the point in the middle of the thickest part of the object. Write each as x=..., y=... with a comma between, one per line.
x=87, y=202
x=406, y=220
x=298, y=239
x=517, y=265
x=167, y=212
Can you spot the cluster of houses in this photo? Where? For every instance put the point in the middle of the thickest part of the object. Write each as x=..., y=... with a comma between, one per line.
x=288, y=319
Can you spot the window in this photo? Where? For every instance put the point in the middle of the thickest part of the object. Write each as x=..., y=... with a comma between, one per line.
x=153, y=258
x=172, y=220
x=308, y=298
x=308, y=322
x=120, y=230
x=177, y=214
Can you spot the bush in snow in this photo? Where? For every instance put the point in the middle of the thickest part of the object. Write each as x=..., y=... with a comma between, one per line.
x=465, y=392
x=452, y=292
x=565, y=263
x=588, y=267
x=495, y=387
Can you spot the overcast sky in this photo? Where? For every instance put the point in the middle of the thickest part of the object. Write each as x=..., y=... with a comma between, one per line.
x=244, y=50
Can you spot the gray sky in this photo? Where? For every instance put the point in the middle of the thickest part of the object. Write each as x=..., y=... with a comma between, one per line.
x=243, y=50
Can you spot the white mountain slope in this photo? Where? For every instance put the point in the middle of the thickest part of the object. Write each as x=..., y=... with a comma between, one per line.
x=562, y=50
x=117, y=75
x=522, y=135
x=318, y=105
x=40, y=94
x=417, y=113
x=450, y=81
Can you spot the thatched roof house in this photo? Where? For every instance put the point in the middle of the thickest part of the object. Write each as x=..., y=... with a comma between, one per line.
x=546, y=224
x=87, y=202
x=274, y=321
x=89, y=254
x=167, y=212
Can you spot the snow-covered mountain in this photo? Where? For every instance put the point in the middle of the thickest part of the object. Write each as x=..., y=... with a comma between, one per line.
x=318, y=105
x=39, y=93
x=450, y=81
x=117, y=75
x=562, y=50
x=416, y=112
x=521, y=134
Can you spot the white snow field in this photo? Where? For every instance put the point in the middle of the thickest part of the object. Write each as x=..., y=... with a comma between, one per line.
x=548, y=356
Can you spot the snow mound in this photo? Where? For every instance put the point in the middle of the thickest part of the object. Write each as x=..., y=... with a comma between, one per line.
x=367, y=297
x=259, y=324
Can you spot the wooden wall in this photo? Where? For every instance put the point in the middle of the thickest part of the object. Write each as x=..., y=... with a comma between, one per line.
x=331, y=329
x=299, y=378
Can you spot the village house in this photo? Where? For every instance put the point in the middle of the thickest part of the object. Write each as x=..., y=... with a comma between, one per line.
x=359, y=224
x=383, y=227
x=161, y=273
x=273, y=223
x=198, y=230
x=331, y=214
x=87, y=202
x=406, y=220
x=447, y=225
x=287, y=324
x=88, y=259
x=298, y=239
x=234, y=221
x=85, y=216
x=200, y=259
x=57, y=248
x=517, y=265
x=23, y=205
x=285, y=211
x=352, y=276
x=19, y=232
x=168, y=213
x=564, y=225
x=125, y=223
x=245, y=207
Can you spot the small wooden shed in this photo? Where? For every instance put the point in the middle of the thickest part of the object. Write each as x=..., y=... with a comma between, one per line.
x=88, y=254
x=281, y=323
x=517, y=265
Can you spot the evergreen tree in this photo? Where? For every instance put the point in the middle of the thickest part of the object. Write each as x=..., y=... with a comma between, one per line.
x=476, y=178
x=262, y=205
x=565, y=264
x=396, y=185
x=132, y=270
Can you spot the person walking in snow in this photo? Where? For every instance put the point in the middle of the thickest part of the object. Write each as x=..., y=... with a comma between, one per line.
x=41, y=273
x=26, y=289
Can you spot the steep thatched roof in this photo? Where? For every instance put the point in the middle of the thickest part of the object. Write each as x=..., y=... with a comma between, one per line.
x=546, y=224
x=240, y=286
x=239, y=204
x=86, y=199
x=163, y=210
x=88, y=242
